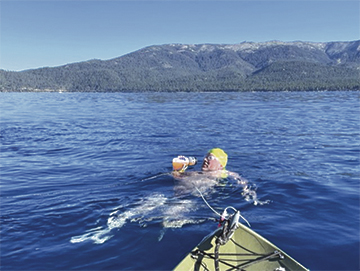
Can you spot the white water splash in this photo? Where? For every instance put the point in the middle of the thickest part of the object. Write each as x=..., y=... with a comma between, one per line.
x=96, y=235
x=249, y=192
x=173, y=213
x=117, y=220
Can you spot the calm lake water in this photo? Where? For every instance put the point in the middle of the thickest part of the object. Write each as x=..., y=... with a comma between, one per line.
x=85, y=180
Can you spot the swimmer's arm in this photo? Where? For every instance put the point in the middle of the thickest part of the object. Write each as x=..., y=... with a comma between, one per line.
x=238, y=178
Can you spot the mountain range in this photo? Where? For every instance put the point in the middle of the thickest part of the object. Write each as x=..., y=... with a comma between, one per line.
x=247, y=66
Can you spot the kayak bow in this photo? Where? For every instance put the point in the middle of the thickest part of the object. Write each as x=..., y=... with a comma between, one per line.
x=234, y=246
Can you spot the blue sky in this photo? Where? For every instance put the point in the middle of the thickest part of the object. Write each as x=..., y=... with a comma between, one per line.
x=51, y=33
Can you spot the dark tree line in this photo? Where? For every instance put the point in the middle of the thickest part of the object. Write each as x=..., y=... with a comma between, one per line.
x=298, y=66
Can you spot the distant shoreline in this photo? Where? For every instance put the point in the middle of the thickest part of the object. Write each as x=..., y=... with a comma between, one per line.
x=248, y=66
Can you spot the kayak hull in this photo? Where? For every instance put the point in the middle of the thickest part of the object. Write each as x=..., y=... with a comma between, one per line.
x=246, y=250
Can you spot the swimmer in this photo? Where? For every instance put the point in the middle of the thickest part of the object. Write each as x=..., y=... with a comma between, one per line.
x=214, y=164
x=213, y=169
x=215, y=161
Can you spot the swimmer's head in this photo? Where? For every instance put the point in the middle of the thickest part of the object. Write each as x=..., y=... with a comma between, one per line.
x=220, y=155
x=216, y=159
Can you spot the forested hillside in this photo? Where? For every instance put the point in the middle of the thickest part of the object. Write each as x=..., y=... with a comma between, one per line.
x=206, y=67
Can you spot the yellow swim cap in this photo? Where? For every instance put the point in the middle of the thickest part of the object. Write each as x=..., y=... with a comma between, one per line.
x=220, y=155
